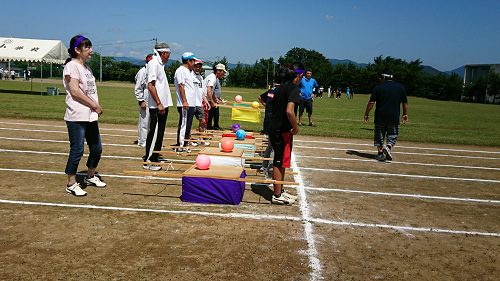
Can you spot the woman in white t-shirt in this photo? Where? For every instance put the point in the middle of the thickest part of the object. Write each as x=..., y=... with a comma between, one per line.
x=82, y=111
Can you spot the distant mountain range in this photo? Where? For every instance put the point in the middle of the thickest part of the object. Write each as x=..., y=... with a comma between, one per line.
x=427, y=69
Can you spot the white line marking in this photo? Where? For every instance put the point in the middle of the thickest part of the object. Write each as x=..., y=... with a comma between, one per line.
x=227, y=215
x=251, y=216
x=399, y=175
x=55, y=126
x=402, y=152
x=102, y=127
x=340, y=149
x=83, y=174
x=406, y=228
x=86, y=155
x=61, y=132
x=312, y=253
x=298, y=170
x=401, y=146
x=403, y=163
x=417, y=196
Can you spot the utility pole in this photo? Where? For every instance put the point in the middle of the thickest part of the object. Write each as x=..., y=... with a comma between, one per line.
x=100, y=63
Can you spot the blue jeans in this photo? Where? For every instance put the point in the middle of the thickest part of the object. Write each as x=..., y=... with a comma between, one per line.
x=78, y=132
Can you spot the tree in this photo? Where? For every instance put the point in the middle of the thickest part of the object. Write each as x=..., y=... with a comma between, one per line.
x=170, y=71
x=320, y=66
x=223, y=80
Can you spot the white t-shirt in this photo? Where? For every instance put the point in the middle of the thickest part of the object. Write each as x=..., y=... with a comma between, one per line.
x=210, y=80
x=156, y=72
x=75, y=110
x=198, y=88
x=183, y=76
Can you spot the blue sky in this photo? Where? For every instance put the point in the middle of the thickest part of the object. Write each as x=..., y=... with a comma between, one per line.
x=441, y=33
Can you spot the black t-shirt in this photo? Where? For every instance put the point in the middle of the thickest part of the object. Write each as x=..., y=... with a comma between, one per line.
x=388, y=97
x=285, y=93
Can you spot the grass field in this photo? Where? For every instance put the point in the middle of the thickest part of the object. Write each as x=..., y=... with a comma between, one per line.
x=429, y=121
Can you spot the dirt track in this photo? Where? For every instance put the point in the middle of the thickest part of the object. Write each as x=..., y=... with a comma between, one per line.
x=432, y=214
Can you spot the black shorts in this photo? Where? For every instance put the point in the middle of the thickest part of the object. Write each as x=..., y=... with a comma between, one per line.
x=307, y=104
x=282, y=145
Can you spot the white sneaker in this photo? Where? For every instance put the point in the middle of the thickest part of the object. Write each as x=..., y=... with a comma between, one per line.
x=76, y=190
x=152, y=167
x=142, y=144
x=194, y=144
x=95, y=181
x=288, y=195
x=282, y=200
x=206, y=143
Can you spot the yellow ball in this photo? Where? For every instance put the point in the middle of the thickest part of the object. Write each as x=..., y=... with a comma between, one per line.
x=255, y=105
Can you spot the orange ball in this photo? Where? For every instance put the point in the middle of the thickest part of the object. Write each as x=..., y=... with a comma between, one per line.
x=227, y=145
x=238, y=99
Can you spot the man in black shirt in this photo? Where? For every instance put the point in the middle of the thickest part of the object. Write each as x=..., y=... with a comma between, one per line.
x=388, y=95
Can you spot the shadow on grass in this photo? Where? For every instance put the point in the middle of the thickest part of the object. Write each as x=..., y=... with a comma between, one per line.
x=156, y=194
x=360, y=154
x=21, y=92
x=262, y=190
x=368, y=129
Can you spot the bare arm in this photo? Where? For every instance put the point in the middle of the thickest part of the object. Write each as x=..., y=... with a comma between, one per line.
x=77, y=93
x=182, y=92
x=154, y=95
x=368, y=109
x=209, y=95
x=290, y=113
x=404, y=118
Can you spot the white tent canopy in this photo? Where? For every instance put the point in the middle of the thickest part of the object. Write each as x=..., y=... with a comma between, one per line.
x=33, y=50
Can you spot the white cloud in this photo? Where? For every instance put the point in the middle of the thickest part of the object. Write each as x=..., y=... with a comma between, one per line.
x=355, y=8
x=197, y=46
x=329, y=18
x=176, y=47
x=119, y=44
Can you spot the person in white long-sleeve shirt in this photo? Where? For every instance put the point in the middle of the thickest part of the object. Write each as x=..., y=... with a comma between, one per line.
x=142, y=94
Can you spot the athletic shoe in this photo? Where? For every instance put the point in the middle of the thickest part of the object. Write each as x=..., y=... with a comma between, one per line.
x=183, y=150
x=95, y=181
x=380, y=157
x=142, y=144
x=387, y=152
x=312, y=124
x=282, y=200
x=152, y=167
x=300, y=124
x=76, y=190
x=195, y=144
x=288, y=195
x=206, y=143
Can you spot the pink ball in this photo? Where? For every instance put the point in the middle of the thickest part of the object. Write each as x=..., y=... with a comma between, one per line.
x=227, y=145
x=238, y=98
x=202, y=162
